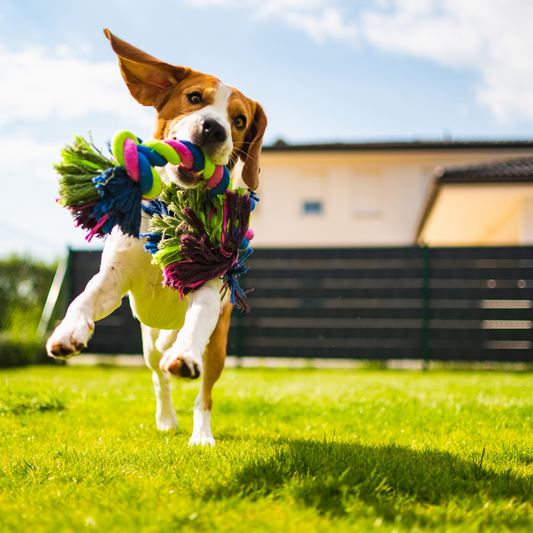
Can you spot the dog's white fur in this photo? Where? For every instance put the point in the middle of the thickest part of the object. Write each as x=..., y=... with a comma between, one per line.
x=186, y=127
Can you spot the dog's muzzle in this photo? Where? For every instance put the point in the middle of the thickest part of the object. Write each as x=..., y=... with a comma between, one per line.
x=212, y=133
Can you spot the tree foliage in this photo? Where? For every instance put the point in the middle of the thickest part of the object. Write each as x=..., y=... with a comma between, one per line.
x=24, y=287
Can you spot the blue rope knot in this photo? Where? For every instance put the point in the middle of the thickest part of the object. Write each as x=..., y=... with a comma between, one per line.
x=151, y=208
x=237, y=295
x=253, y=199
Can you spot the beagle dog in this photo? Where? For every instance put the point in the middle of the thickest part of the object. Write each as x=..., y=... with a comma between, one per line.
x=183, y=338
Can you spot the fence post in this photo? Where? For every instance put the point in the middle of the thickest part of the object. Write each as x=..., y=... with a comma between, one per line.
x=425, y=350
x=58, y=284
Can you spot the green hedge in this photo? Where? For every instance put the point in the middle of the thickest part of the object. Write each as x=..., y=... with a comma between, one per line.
x=24, y=287
x=16, y=350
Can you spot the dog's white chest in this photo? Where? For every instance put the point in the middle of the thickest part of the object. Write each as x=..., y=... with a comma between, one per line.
x=157, y=306
x=154, y=305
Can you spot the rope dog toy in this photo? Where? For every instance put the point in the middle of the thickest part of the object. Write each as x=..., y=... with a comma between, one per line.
x=195, y=234
x=102, y=193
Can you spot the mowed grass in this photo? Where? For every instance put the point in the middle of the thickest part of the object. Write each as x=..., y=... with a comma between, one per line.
x=297, y=450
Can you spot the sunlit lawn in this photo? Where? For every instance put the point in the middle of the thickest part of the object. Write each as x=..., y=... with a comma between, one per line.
x=297, y=450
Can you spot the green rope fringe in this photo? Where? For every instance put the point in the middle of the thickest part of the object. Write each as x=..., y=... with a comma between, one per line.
x=173, y=227
x=81, y=163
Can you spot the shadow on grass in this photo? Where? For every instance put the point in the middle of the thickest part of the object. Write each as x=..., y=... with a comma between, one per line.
x=335, y=478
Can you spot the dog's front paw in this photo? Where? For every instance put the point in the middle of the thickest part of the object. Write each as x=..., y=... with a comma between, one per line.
x=68, y=340
x=179, y=365
x=201, y=433
x=166, y=420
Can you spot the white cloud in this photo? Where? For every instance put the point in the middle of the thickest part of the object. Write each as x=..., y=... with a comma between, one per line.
x=30, y=220
x=40, y=87
x=279, y=7
x=490, y=37
x=321, y=20
x=27, y=153
x=327, y=25
x=221, y=3
x=40, y=84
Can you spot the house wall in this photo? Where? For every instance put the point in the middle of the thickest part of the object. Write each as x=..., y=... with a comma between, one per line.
x=368, y=198
x=481, y=215
x=527, y=220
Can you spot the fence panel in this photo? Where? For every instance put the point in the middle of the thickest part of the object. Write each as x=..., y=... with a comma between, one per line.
x=481, y=303
x=120, y=332
x=371, y=303
x=389, y=303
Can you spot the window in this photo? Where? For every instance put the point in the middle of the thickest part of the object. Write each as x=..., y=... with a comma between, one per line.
x=313, y=208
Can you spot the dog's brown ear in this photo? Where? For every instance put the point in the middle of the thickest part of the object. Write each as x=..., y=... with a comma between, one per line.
x=149, y=80
x=252, y=148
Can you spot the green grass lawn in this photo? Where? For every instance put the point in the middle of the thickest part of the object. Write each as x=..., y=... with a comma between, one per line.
x=297, y=450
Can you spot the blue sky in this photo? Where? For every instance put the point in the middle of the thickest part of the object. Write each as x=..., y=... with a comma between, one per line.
x=324, y=70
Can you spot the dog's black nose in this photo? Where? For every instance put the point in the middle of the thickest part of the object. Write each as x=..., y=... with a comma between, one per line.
x=213, y=132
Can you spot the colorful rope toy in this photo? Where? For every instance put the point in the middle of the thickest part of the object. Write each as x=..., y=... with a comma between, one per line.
x=193, y=236
x=102, y=193
x=139, y=159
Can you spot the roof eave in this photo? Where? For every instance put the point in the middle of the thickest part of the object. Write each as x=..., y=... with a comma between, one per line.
x=412, y=145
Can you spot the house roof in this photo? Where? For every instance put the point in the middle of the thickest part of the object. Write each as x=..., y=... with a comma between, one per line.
x=282, y=146
x=514, y=171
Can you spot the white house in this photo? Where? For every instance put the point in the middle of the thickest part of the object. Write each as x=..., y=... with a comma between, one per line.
x=367, y=194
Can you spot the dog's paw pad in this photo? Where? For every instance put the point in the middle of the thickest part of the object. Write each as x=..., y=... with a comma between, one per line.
x=69, y=338
x=63, y=350
x=181, y=368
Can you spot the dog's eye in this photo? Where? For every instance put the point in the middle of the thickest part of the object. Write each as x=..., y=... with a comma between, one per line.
x=194, y=98
x=240, y=122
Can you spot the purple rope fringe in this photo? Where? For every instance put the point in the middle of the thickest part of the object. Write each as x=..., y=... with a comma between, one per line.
x=205, y=260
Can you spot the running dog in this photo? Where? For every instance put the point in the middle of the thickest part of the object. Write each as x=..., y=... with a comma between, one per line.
x=182, y=338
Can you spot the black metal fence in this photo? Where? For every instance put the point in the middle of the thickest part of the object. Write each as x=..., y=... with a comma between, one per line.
x=373, y=303
x=119, y=333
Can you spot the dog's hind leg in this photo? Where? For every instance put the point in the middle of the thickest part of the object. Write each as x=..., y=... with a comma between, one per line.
x=214, y=359
x=165, y=415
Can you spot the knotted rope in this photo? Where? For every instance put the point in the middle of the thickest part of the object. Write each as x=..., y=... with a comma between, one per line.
x=194, y=236
x=139, y=158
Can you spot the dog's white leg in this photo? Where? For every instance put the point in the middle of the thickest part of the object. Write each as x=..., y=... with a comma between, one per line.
x=214, y=359
x=184, y=357
x=165, y=415
x=201, y=433
x=100, y=298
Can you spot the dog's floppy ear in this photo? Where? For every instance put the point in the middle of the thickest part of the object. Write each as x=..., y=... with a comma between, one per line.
x=252, y=148
x=149, y=80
